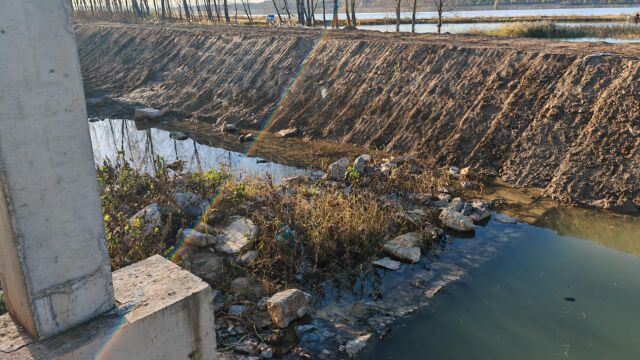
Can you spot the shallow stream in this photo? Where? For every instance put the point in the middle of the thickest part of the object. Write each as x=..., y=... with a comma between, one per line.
x=561, y=283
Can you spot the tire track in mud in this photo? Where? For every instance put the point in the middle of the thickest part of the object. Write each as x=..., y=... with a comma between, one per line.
x=534, y=113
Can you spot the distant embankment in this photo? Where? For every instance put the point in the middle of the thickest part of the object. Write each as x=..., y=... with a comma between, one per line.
x=535, y=113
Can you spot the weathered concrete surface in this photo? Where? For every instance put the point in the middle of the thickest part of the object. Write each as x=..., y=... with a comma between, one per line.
x=54, y=262
x=164, y=312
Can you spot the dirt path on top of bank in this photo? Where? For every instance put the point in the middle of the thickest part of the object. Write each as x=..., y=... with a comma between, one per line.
x=560, y=116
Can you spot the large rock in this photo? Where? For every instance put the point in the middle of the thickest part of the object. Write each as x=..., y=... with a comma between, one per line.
x=147, y=219
x=456, y=221
x=236, y=236
x=287, y=306
x=456, y=205
x=505, y=219
x=405, y=247
x=228, y=128
x=247, y=288
x=361, y=161
x=247, y=258
x=387, y=263
x=337, y=170
x=190, y=203
x=285, y=133
x=177, y=135
x=147, y=114
x=196, y=238
x=353, y=347
x=479, y=211
x=207, y=266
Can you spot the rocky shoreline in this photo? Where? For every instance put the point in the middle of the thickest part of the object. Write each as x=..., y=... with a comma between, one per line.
x=312, y=311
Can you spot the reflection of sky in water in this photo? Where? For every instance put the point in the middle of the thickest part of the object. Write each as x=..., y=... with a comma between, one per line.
x=540, y=296
x=140, y=146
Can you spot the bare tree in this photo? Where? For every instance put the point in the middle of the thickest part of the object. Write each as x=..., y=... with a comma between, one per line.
x=277, y=11
x=346, y=11
x=334, y=21
x=442, y=6
x=286, y=8
x=413, y=16
x=226, y=11
x=247, y=10
x=353, y=12
x=398, y=4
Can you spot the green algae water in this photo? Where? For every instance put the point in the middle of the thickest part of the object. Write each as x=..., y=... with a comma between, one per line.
x=541, y=296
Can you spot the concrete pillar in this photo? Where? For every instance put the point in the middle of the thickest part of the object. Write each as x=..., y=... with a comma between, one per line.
x=53, y=258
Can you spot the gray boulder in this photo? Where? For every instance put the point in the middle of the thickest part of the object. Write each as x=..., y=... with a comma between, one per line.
x=405, y=247
x=505, y=219
x=236, y=236
x=190, y=203
x=387, y=263
x=353, y=347
x=287, y=306
x=479, y=211
x=337, y=169
x=247, y=288
x=177, y=135
x=207, y=266
x=196, y=238
x=228, y=128
x=147, y=219
x=361, y=161
x=285, y=133
x=147, y=113
x=248, y=257
x=456, y=221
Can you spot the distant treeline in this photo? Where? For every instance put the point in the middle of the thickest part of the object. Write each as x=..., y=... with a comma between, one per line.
x=223, y=11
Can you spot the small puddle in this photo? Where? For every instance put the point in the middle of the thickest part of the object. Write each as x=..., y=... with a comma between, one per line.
x=140, y=144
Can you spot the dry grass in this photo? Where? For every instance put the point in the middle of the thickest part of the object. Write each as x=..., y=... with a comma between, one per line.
x=315, y=228
x=549, y=30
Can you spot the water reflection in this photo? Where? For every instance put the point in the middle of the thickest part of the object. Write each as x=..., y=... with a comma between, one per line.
x=616, y=231
x=141, y=145
x=498, y=13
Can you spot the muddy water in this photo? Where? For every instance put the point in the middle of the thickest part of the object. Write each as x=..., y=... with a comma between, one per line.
x=544, y=294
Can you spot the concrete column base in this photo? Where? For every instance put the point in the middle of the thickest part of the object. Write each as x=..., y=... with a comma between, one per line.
x=163, y=312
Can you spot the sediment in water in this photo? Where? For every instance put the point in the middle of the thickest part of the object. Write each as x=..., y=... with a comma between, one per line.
x=535, y=113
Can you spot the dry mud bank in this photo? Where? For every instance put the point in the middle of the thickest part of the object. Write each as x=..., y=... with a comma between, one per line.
x=535, y=113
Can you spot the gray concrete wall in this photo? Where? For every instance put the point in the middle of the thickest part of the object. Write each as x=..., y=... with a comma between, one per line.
x=53, y=258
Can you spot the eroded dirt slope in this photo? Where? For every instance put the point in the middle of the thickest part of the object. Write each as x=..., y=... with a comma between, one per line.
x=535, y=113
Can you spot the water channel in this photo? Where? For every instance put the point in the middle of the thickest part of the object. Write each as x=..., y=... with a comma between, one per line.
x=560, y=283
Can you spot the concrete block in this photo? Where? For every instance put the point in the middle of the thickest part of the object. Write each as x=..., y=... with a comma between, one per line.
x=53, y=257
x=164, y=312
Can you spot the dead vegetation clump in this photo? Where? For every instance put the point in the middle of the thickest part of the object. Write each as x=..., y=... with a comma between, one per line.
x=307, y=229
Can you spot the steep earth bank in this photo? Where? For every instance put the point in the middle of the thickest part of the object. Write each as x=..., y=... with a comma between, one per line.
x=535, y=113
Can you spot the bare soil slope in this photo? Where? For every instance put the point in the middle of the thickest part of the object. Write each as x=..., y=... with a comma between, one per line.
x=536, y=113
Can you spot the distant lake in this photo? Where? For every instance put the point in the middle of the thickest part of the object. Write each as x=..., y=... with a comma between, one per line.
x=459, y=28
x=493, y=13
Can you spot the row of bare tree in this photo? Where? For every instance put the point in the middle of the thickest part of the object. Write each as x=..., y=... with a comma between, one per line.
x=218, y=10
